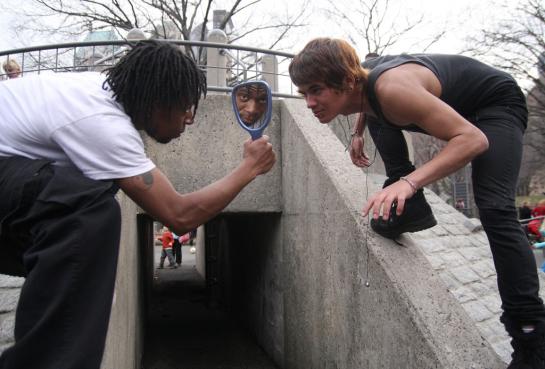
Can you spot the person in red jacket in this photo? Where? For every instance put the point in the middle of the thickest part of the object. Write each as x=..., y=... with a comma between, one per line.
x=167, y=239
x=534, y=225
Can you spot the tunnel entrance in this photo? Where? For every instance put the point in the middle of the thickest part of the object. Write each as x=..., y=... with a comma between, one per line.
x=201, y=319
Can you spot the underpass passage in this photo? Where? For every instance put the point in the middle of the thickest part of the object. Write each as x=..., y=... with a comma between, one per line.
x=192, y=326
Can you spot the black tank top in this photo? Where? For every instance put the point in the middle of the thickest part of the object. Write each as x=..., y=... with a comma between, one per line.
x=468, y=85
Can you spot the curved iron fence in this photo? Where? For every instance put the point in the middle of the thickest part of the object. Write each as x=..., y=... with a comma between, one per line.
x=225, y=64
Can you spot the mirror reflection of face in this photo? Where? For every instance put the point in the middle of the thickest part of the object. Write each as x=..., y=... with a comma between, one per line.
x=251, y=103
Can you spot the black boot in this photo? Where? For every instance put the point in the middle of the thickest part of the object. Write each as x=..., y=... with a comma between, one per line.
x=417, y=216
x=528, y=347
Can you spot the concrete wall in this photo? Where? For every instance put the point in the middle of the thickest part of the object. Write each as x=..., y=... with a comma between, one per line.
x=207, y=151
x=303, y=265
x=299, y=283
x=211, y=148
x=406, y=318
x=125, y=332
x=200, y=257
x=255, y=268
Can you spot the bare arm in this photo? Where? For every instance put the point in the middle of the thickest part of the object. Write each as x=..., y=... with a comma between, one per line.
x=408, y=95
x=359, y=128
x=357, y=143
x=154, y=193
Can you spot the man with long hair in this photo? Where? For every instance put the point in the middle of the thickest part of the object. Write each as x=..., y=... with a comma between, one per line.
x=480, y=112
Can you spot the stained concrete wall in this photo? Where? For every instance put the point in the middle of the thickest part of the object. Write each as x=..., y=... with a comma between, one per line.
x=404, y=319
x=211, y=148
x=125, y=331
x=328, y=317
x=255, y=277
x=207, y=151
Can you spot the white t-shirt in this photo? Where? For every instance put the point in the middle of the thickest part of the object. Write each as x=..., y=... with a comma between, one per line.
x=70, y=119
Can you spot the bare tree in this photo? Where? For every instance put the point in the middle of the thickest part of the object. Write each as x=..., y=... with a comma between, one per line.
x=379, y=24
x=161, y=18
x=517, y=45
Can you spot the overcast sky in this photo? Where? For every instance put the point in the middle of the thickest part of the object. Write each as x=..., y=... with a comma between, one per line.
x=461, y=16
x=5, y=37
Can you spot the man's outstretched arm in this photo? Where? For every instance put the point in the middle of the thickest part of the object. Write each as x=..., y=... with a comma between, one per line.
x=154, y=193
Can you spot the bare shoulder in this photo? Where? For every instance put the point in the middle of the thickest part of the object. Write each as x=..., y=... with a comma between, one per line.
x=407, y=93
x=409, y=76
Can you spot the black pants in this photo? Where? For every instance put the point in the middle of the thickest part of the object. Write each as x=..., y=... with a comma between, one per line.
x=61, y=230
x=494, y=175
x=177, y=251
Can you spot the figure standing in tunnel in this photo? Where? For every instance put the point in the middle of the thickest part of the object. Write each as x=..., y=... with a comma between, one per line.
x=177, y=249
x=480, y=112
x=167, y=252
x=68, y=142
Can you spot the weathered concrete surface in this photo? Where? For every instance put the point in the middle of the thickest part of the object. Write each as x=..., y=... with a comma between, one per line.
x=211, y=148
x=406, y=318
x=431, y=304
x=124, y=340
x=253, y=277
x=10, y=288
x=459, y=251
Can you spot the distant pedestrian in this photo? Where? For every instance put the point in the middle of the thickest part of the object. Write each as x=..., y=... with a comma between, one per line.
x=460, y=204
x=192, y=236
x=12, y=68
x=167, y=240
x=525, y=212
x=535, y=224
x=177, y=249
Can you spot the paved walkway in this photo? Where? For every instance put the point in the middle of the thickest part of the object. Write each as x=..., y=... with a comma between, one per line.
x=9, y=295
x=183, y=332
x=458, y=249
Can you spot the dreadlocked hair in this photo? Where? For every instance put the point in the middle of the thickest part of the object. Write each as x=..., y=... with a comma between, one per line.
x=155, y=74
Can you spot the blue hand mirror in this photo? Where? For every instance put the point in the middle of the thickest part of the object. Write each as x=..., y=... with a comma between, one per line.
x=252, y=103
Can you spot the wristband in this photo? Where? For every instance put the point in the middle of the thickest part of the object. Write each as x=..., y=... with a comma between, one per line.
x=411, y=183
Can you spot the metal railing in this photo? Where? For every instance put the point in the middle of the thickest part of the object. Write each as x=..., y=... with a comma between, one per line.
x=225, y=64
x=530, y=219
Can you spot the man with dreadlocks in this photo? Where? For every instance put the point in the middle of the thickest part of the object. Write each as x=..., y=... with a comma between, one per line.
x=67, y=142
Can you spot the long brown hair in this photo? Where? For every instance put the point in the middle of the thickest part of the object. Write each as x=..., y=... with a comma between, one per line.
x=327, y=60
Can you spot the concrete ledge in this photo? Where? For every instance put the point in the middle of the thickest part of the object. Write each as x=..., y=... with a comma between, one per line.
x=406, y=318
x=125, y=331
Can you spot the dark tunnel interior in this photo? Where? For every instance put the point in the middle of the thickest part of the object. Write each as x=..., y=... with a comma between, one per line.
x=215, y=321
